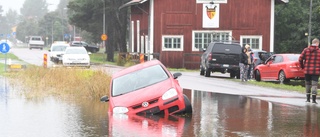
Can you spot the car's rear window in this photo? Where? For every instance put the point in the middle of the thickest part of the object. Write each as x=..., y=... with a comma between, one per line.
x=59, y=48
x=138, y=79
x=76, y=51
x=294, y=57
x=226, y=48
x=36, y=38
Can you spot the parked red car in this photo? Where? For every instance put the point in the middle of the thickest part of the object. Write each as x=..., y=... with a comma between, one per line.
x=147, y=88
x=281, y=67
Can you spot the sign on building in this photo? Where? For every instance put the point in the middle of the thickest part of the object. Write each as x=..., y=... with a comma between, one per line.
x=211, y=15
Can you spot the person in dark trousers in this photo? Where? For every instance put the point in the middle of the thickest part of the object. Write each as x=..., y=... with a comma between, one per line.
x=310, y=61
x=243, y=64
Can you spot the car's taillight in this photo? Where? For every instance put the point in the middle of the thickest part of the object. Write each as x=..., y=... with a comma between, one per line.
x=209, y=57
x=294, y=65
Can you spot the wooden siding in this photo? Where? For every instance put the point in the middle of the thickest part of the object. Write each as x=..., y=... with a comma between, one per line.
x=181, y=17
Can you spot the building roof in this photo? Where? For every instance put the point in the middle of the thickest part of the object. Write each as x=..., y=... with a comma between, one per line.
x=132, y=2
x=135, y=2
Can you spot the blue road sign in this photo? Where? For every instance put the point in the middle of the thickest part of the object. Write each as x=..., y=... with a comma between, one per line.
x=4, y=48
x=8, y=35
x=66, y=36
x=14, y=33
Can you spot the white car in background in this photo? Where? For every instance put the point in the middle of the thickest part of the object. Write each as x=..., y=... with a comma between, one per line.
x=56, y=51
x=76, y=57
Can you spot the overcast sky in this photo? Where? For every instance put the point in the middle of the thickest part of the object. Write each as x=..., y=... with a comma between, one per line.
x=17, y=4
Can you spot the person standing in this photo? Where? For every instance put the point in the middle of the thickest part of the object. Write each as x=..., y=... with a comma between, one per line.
x=310, y=61
x=243, y=64
x=250, y=61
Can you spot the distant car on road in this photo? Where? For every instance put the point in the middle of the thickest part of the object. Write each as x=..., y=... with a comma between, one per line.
x=147, y=88
x=89, y=48
x=281, y=67
x=56, y=51
x=76, y=57
x=36, y=42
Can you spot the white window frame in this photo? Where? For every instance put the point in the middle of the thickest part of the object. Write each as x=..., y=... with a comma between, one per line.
x=173, y=49
x=207, y=31
x=252, y=37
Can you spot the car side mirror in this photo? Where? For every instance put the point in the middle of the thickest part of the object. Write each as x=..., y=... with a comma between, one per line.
x=49, y=50
x=89, y=53
x=104, y=98
x=176, y=75
x=203, y=49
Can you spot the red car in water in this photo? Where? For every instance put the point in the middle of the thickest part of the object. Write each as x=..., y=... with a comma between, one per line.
x=147, y=88
x=279, y=67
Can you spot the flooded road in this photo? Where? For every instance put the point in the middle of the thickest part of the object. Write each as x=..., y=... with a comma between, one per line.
x=214, y=114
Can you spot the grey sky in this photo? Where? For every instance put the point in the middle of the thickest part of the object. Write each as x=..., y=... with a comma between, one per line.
x=17, y=4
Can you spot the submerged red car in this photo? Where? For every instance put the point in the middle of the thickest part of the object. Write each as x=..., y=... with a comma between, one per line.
x=281, y=67
x=147, y=88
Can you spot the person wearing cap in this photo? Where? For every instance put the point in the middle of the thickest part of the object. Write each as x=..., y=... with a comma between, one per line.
x=310, y=61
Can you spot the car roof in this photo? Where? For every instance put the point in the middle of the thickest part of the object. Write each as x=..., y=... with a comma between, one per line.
x=137, y=67
x=72, y=47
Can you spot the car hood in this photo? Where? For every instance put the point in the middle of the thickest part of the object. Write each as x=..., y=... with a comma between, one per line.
x=144, y=94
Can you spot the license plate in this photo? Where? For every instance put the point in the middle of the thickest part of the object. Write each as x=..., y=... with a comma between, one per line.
x=225, y=65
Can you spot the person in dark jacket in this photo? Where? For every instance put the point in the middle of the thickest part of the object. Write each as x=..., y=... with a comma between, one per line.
x=243, y=64
x=310, y=61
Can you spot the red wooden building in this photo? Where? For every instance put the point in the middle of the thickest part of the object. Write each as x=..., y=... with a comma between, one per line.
x=174, y=31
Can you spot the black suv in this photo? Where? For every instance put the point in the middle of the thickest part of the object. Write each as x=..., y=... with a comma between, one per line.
x=88, y=47
x=221, y=57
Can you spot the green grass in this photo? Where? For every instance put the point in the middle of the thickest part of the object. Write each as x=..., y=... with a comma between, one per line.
x=292, y=86
x=9, y=55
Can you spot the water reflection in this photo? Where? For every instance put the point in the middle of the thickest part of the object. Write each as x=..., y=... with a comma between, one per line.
x=147, y=126
x=232, y=115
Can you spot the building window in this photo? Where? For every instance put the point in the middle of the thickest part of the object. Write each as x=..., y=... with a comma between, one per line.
x=201, y=39
x=255, y=42
x=172, y=43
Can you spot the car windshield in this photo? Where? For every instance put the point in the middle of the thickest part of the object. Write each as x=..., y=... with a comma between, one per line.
x=294, y=57
x=76, y=51
x=138, y=79
x=59, y=48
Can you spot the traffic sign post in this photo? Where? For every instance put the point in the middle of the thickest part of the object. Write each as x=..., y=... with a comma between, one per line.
x=4, y=48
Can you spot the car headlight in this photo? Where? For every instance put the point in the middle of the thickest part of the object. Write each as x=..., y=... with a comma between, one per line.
x=120, y=110
x=170, y=93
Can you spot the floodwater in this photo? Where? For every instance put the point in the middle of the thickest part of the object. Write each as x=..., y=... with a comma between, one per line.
x=213, y=115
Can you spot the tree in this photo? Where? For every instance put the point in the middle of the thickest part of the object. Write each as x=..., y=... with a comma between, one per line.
x=34, y=8
x=88, y=15
x=12, y=17
x=291, y=25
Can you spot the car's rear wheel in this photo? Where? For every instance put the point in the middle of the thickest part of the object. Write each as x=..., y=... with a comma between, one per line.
x=282, y=77
x=94, y=50
x=207, y=73
x=232, y=74
x=257, y=75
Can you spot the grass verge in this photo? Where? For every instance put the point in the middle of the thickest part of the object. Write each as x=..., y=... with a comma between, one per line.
x=62, y=82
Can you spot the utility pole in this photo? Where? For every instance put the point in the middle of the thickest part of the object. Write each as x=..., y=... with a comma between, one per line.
x=310, y=16
x=104, y=22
